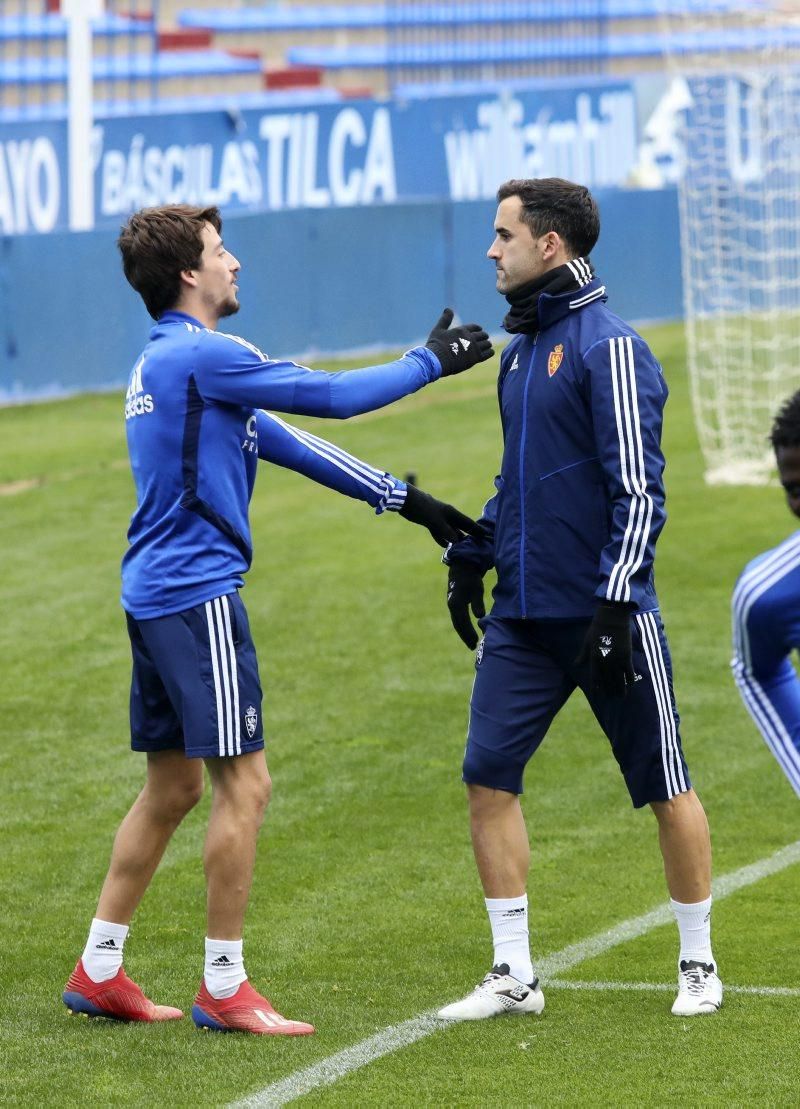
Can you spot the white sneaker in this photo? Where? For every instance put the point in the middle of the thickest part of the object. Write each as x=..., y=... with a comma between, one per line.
x=699, y=989
x=497, y=994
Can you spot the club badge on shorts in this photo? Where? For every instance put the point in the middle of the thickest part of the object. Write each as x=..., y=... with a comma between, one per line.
x=555, y=358
x=250, y=720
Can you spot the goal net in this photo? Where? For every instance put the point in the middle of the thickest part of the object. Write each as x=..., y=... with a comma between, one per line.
x=735, y=66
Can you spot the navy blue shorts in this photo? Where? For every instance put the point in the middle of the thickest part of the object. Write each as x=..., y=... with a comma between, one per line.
x=526, y=670
x=195, y=685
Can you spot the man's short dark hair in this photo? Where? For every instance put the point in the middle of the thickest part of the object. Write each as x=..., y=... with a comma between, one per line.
x=786, y=425
x=158, y=245
x=553, y=204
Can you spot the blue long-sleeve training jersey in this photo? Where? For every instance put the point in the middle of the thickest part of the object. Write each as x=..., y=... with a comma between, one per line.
x=766, y=629
x=195, y=434
x=580, y=494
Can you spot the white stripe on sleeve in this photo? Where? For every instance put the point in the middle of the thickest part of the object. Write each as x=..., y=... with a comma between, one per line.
x=632, y=468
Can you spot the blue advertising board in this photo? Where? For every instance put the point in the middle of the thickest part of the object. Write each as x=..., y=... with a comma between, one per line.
x=330, y=155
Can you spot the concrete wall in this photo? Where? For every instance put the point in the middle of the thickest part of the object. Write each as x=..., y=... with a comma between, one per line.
x=312, y=280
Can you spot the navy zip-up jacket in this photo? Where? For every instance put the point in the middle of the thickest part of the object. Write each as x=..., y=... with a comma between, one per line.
x=580, y=496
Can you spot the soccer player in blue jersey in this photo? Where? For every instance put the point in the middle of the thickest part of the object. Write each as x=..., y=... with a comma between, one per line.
x=571, y=531
x=766, y=616
x=196, y=427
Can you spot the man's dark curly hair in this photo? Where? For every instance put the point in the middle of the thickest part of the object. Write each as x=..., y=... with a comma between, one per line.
x=786, y=426
x=158, y=245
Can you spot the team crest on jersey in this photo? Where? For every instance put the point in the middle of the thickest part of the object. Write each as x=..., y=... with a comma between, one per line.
x=479, y=655
x=251, y=720
x=555, y=359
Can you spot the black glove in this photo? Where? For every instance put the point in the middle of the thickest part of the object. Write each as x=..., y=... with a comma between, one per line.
x=458, y=348
x=445, y=523
x=607, y=648
x=465, y=592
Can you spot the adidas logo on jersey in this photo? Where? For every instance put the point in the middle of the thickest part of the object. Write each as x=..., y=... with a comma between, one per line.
x=137, y=402
x=515, y=364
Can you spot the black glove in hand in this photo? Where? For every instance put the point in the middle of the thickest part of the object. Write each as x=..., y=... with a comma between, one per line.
x=465, y=592
x=445, y=523
x=458, y=348
x=607, y=648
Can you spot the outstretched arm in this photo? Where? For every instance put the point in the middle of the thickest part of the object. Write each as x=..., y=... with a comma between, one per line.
x=327, y=464
x=333, y=467
x=233, y=371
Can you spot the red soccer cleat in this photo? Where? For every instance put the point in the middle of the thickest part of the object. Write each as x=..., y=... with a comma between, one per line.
x=245, y=1011
x=118, y=998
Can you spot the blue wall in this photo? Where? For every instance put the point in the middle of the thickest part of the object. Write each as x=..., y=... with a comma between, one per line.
x=327, y=280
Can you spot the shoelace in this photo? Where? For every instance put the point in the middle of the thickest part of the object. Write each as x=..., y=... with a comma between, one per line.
x=695, y=979
x=490, y=977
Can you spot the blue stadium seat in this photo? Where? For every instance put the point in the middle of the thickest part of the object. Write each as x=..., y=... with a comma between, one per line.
x=13, y=28
x=131, y=67
x=351, y=16
x=594, y=49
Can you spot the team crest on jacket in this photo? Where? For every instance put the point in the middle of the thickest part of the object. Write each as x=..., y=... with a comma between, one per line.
x=251, y=719
x=555, y=359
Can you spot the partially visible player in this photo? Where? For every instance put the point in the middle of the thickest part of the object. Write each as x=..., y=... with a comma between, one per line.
x=196, y=427
x=766, y=616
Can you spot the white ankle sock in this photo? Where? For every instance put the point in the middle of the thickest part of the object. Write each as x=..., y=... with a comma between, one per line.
x=102, y=956
x=508, y=917
x=224, y=969
x=694, y=925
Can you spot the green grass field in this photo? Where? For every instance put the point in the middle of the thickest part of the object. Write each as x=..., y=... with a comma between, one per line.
x=366, y=909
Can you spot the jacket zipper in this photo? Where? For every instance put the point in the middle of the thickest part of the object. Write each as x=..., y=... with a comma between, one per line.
x=523, y=436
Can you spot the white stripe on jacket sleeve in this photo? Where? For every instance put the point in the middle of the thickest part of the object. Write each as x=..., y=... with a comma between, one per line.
x=632, y=468
x=391, y=497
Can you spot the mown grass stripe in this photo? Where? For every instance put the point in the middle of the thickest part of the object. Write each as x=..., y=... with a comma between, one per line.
x=396, y=1036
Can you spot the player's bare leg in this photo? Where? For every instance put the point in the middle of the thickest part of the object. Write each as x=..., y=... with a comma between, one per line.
x=686, y=848
x=240, y=793
x=226, y=1001
x=99, y=986
x=685, y=845
x=173, y=787
x=502, y=854
x=499, y=841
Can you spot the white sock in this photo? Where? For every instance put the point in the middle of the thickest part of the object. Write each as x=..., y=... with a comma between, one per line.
x=694, y=925
x=508, y=917
x=224, y=969
x=102, y=956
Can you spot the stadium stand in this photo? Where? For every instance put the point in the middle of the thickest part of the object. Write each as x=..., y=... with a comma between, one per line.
x=135, y=60
x=153, y=50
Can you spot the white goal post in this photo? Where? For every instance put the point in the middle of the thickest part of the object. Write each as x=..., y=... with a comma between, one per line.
x=736, y=65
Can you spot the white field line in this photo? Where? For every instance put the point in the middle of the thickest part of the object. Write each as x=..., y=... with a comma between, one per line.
x=669, y=987
x=396, y=1036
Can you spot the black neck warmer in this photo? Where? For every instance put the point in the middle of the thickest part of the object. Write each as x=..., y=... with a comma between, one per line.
x=523, y=315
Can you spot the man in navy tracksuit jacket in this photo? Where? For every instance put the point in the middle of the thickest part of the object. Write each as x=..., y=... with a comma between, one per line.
x=571, y=532
x=197, y=426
